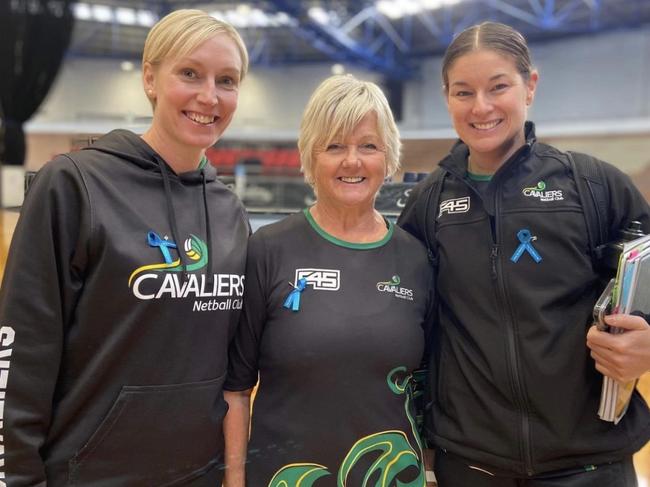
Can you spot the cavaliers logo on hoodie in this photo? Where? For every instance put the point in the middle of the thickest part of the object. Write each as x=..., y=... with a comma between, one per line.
x=172, y=279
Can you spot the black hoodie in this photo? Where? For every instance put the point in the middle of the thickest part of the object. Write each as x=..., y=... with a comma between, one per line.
x=122, y=287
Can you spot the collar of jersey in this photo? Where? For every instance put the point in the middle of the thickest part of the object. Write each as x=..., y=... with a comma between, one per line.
x=343, y=243
x=479, y=177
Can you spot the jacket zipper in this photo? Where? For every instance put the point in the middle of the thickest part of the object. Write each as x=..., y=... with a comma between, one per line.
x=497, y=275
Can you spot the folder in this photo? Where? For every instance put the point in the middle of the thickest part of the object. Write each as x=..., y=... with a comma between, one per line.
x=631, y=292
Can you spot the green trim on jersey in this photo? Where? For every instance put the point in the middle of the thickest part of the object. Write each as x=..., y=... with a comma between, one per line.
x=343, y=243
x=479, y=177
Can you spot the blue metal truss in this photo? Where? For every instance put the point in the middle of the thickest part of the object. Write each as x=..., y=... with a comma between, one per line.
x=377, y=49
x=372, y=40
x=391, y=46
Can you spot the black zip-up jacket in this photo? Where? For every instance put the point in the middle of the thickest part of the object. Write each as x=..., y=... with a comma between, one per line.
x=513, y=385
x=123, y=285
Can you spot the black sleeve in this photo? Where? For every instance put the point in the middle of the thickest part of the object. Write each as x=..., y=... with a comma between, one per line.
x=244, y=348
x=41, y=284
x=427, y=371
x=430, y=321
x=626, y=202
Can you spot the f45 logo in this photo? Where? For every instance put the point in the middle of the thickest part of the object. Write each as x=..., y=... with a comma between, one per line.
x=454, y=205
x=320, y=279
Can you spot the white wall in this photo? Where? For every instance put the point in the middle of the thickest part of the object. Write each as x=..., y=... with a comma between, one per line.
x=600, y=80
x=597, y=77
x=95, y=95
x=586, y=83
x=88, y=89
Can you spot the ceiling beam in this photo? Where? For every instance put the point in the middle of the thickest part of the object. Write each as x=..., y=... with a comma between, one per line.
x=339, y=45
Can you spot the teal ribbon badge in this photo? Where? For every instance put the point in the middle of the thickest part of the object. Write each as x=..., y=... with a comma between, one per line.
x=164, y=245
x=293, y=299
x=525, y=239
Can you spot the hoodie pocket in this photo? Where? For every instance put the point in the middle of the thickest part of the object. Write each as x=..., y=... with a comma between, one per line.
x=154, y=436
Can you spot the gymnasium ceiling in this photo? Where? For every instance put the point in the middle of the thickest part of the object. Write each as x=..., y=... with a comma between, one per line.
x=387, y=36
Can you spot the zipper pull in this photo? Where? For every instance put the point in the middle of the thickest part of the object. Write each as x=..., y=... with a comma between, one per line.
x=494, y=254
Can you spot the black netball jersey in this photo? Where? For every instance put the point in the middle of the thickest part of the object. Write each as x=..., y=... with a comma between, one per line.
x=334, y=330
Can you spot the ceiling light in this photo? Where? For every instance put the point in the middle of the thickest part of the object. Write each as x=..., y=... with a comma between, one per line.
x=244, y=9
x=125, y=16
x=389, y=9
x=237, y=20
x=319, y=15
x=409, y=7
x=146, y=18
x=282, y=18
x=396, y=9
x=432, y=4
x=102, y=13
x=245, y=16
x=127, y=66
x=259, y=18
x=338, y=68
x=82, y=11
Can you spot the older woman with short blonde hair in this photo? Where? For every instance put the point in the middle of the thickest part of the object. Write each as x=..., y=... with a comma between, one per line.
x=334, y=317
x=336, y=107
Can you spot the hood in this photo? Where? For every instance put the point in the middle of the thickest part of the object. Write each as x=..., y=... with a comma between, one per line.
x=132, y=148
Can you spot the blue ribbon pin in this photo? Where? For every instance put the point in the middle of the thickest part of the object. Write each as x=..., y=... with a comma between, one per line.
x=164, y=246
x=526, y=238
x=293, y=300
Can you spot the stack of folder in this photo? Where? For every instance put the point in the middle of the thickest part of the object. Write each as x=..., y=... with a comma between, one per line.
x=630, y=292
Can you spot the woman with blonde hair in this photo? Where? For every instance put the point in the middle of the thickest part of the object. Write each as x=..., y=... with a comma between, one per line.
x=334, y=316
x=124, y=282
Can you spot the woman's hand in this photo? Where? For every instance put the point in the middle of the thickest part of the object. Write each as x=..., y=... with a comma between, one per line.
x=624, y=356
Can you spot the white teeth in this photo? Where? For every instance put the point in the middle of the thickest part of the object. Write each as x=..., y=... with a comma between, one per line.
x=199, y=118
x=486, y=126
x=357, y=179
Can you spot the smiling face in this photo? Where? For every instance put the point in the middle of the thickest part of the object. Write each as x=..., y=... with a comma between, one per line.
x=195, y=95
x=348, y=173
x=488, y=101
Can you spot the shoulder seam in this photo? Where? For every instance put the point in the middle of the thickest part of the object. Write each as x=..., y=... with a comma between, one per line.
x=91, y=208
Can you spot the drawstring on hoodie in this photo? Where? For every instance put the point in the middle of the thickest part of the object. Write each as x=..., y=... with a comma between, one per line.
x=208, y=230
x=174, y=225
x=172, y=217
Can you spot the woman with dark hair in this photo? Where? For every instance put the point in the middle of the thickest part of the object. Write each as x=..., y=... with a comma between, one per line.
x=514, y=390
x=124, y=284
